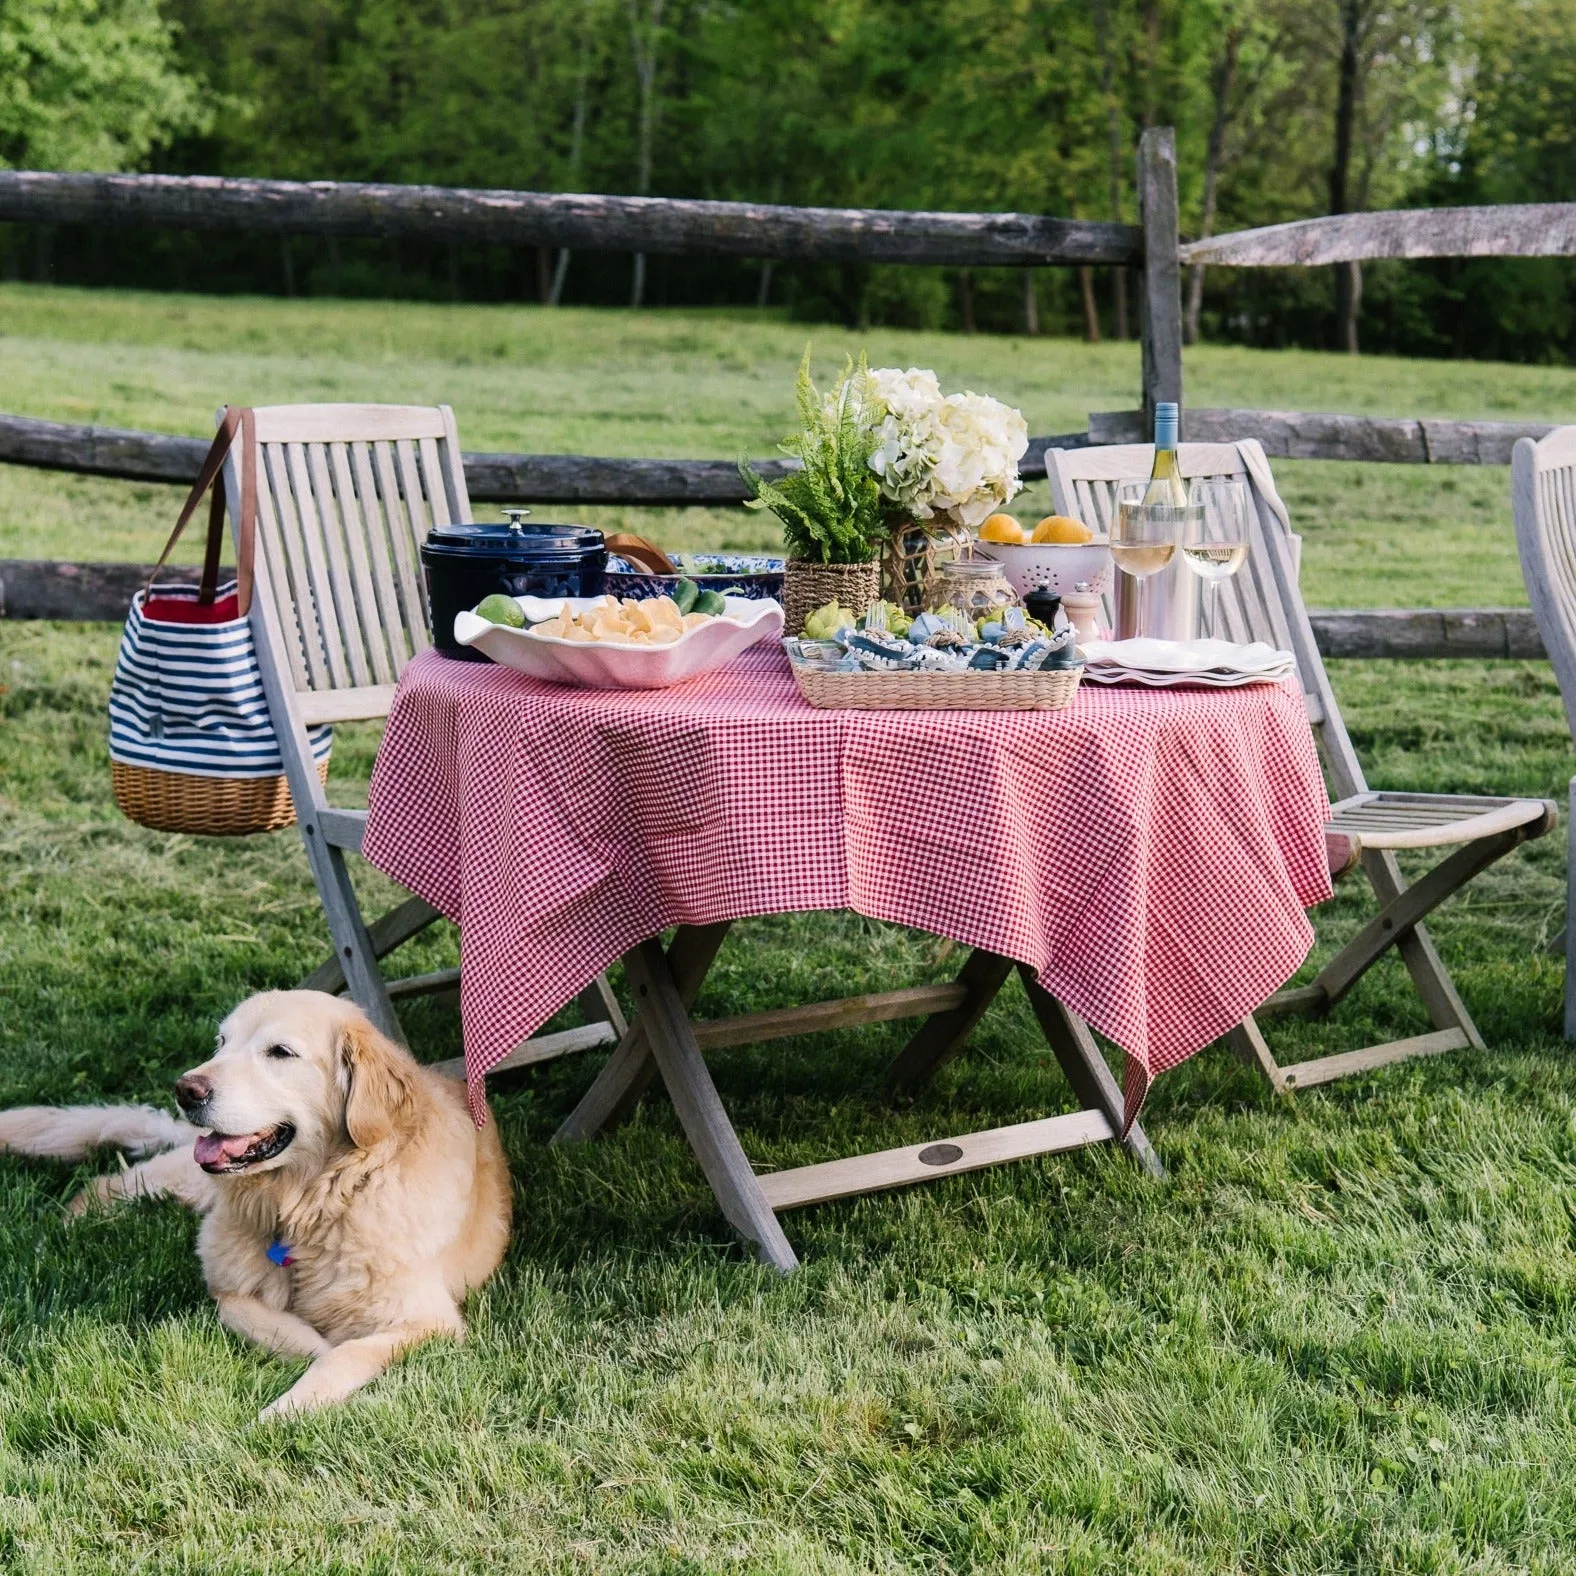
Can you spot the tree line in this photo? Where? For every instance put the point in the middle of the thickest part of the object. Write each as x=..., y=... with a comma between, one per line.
x=1284, y=109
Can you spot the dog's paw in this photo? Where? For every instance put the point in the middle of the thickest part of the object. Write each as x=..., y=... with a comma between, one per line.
x=297, y=1401
x=288, y=1405
x=96, y=1195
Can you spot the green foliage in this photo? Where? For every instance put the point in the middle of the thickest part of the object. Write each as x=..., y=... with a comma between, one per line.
x=91, y=84
x=1511, y=140
x=831, y=508
x=1514, y=139
x=1028, y=105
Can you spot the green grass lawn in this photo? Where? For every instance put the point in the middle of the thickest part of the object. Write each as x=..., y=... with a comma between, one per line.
x=1338, y=1338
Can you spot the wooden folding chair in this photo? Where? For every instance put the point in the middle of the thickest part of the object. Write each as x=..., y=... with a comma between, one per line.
x=345, y=496
x=1367, y=827
x=1543, y=499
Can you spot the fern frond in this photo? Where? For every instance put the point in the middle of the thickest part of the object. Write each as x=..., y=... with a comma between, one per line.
x=831, y=508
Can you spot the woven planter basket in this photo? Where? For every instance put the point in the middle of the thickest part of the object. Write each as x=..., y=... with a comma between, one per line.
x=204, y=806
x=908, y=691
x=808, y=585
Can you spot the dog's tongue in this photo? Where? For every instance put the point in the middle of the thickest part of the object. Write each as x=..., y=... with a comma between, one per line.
x=215, y=1148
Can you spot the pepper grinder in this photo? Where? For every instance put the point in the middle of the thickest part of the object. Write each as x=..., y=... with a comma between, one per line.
x=1043, y=605
x=1083, y=607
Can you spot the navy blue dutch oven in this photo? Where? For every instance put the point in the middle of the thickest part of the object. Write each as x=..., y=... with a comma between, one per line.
x=466, y=562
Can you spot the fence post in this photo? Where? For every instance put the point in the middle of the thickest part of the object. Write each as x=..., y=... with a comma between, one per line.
x=1160, y=303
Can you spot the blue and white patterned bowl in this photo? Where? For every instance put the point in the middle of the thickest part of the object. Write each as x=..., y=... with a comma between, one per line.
x=751, y=575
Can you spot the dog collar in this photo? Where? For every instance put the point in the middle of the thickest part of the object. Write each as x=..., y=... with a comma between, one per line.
x=279, y=1252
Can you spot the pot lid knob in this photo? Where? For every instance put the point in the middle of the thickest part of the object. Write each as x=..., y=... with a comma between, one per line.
x=515, y=516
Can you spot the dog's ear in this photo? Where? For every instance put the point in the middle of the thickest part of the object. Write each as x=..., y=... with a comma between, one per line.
x=380, y=1097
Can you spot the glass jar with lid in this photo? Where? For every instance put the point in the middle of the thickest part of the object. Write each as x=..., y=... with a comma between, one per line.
x=975, y=586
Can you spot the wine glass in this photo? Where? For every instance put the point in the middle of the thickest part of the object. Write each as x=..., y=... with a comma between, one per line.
x=1216, y=544
x=1144, y=536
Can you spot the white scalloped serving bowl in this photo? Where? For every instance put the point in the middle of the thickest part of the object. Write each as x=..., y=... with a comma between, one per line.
x=1052, y=566
x=602, y=665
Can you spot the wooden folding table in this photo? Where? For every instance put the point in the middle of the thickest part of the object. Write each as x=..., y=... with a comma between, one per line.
x=1147, y=854
x=663, y=1039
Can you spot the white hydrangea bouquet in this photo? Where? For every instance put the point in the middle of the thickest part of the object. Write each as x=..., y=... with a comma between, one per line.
x=888, y=463
x=952, y=458
x=945, y=463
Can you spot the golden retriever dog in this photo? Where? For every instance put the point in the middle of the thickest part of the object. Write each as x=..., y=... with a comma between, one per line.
x=348, y=1201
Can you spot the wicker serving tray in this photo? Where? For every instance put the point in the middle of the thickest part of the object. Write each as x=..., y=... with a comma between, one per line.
x=911, y=691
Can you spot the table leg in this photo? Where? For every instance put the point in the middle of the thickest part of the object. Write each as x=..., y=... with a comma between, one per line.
x=628, y=1072
x=1085, y=1068
x=598, y=1004
x=662, y=1039
x=699, y=1108
x=940, y=1037
x=1248, y=1045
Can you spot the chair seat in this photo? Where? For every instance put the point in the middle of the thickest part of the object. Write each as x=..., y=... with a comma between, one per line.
x=1432, y=820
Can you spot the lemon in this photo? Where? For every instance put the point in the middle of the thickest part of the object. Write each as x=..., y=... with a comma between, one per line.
x=1001, y=528
x=1062, y=531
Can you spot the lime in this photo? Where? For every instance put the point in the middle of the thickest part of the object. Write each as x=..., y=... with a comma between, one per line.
x=500, y=609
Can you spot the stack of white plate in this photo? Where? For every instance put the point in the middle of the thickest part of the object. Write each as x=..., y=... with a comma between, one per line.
x=1162, y=664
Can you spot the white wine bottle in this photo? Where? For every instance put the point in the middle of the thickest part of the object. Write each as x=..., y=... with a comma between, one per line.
x=1165, y=477
x=1150, y=595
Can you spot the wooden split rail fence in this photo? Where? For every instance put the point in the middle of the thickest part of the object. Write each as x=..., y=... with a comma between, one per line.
x=47, y=589
x=101, y=593
x=1152, y=249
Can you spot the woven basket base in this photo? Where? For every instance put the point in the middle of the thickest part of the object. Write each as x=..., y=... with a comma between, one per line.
x=909, y=691
x=204, y=806
x=808, y=586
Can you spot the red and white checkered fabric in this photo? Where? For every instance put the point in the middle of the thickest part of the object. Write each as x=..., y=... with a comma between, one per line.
x=1149, y=853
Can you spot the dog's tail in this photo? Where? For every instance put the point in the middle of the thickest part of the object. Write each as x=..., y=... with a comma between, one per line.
x=68, y=1132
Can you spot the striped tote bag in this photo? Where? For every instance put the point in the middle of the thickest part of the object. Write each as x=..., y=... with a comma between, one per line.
x=192, y=747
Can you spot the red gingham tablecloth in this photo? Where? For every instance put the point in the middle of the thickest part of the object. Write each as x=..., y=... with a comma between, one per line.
x=1149, y=853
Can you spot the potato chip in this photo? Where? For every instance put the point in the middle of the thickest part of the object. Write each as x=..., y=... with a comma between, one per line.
x=649, y=621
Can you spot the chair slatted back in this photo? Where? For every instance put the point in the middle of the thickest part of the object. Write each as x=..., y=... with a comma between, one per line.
x=1261, y=601
x=346, y=494
x=1543, y=496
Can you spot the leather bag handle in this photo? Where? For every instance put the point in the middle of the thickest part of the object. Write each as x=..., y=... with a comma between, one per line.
x=237, y=418
x=639, y=551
